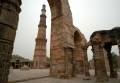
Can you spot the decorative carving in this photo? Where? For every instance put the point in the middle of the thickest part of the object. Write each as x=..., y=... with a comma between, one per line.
x=9, y=13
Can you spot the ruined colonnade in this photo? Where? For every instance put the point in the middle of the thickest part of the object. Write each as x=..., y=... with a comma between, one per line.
x=103, y=41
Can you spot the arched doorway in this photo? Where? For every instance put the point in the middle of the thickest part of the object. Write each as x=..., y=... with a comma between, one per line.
x=78, y=54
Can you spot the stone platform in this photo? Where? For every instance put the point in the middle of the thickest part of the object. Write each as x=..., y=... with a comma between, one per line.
x=42, y=76
x=17, y=75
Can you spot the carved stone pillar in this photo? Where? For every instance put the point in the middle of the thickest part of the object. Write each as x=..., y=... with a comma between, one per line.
x=86, y=64
x=100, y=69
x=113, y=71
x=119, y=47
x=9, y=16
x=60, y=52
x=78, y=60
x=69, y=60
x=63, y=40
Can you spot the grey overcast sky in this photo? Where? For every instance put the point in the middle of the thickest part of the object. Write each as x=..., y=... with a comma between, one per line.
x=88, y=16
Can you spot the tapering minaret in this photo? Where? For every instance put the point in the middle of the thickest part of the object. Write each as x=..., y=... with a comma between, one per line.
x=40, y=59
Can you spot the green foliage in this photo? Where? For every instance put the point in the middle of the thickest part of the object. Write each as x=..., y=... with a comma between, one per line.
x=114, y=59
x=18, y=57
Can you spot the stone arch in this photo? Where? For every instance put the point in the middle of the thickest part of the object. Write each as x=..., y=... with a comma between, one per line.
x=62, y=39
x=55, y=6
x=60, y=50
x=60, y=8
x=77, y=53
x=77, y=37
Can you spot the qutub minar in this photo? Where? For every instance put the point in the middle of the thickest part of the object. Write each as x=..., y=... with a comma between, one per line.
x=40, y=58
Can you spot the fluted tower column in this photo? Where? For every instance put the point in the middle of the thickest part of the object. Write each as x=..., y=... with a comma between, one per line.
x=9, y=17
x=40, y=59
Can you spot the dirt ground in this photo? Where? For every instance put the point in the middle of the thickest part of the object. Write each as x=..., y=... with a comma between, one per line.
x=42, y=76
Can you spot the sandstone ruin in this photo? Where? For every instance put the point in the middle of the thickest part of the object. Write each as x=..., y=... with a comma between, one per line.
x=9, y=16
x=67, y=42
x=68, y=55
x=102, y=41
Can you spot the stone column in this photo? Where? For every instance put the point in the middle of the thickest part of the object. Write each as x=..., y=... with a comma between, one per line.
x=78, y=59
x=100, y=69
x=69, y=72
x=86, y=64
x=119, y=47
x=113, y=71
x=61, y=19
x=9, y=16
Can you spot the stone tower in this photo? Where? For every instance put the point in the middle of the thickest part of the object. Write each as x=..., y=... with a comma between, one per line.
x=9, y=16
x=40, y=59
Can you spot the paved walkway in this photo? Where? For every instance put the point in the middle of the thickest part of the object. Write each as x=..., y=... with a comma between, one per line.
x=41, y=76
x=73, y=80
x=17, y=74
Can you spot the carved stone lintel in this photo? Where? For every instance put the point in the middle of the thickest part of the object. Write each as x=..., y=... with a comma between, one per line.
x=5, y=56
